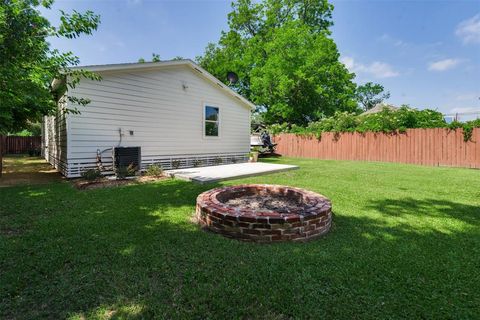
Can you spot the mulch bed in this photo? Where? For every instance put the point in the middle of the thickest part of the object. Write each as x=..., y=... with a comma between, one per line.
x=82, y=184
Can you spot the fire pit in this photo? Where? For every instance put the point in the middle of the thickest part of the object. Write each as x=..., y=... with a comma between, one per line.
x=264, y=213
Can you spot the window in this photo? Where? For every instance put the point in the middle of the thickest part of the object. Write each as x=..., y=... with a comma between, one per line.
x=212, y=121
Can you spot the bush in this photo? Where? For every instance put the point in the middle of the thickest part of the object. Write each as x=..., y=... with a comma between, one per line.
x=91, y=174
x=125, y=171
x=385, y=121
x=34, y=152
x=176, y=164
x=197, y=163
x=154, y=170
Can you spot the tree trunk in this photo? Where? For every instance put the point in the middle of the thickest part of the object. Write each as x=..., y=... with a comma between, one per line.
x=1, y=155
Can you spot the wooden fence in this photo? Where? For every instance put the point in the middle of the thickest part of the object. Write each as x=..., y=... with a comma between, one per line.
x=432, y=147
x=18, y=145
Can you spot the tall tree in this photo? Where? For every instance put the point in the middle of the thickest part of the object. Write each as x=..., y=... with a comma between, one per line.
x=370, y=94
x=285, y=58
x=28, y=64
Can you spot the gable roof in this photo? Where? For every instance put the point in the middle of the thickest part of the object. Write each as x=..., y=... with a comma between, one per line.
x=162, y=64
x=379, y=107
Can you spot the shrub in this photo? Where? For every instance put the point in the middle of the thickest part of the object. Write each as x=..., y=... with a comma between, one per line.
x=175, y=164
x=197, y=163
x=217, y=160
x=91, y=174
x=125, y=171
x=385, y=121
x=154, y=170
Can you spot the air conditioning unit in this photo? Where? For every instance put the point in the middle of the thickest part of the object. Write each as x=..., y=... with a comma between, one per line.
x=127, y=156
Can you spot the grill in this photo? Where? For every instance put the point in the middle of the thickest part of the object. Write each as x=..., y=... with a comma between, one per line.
x=126, y=156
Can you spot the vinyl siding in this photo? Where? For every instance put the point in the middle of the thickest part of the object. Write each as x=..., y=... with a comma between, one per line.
x=54, y=139
x=167, y=120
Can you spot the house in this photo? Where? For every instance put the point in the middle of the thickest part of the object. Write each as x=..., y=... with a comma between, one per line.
x=379, y=107
x=176, y=114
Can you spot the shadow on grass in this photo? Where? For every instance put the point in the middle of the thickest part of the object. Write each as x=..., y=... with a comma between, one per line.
x=22, y=170
x=432, y=212
x=131, y=252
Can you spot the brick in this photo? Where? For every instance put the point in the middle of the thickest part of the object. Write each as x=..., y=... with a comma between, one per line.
x=292, y=218
x=263, y=220
x=260, y=226
x=230, y=217
x=280, y=226
x=312, y=232
x=279, y=238
x=272, y=232
x=297, y=237
x=314, y=221
x=252, y=231
x=243, y=225
x=272, y=220
x=247, y=218
x=309, y=228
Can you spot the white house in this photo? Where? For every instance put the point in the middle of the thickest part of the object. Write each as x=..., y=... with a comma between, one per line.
x=175, y=111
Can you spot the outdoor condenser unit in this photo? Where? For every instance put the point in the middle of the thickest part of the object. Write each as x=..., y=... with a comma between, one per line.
x=126, y=156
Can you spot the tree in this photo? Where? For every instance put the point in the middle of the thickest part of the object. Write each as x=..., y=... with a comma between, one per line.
x=155, y=58
x=370, y=94
x=285, y=58
x=28, y=64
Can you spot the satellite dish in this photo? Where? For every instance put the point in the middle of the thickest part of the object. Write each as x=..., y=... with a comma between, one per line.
x=232, y=77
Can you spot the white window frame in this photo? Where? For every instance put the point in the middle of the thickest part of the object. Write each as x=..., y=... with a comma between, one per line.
x=213, y=105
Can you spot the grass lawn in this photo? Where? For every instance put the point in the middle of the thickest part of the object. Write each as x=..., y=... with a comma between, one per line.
x=405, y=243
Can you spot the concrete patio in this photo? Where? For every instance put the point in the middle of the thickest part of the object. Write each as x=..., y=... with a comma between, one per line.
x=228, y=171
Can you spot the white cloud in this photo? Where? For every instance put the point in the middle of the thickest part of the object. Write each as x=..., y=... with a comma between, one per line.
x=386, y=38
x=376, y=69
x=464, y=110
x=467, y=97
x=443, y=65
x=469, y=30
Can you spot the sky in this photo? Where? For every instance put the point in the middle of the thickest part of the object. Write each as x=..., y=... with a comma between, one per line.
x=425, y=53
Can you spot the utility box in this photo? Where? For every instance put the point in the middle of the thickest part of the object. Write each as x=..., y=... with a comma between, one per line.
x=127, y=156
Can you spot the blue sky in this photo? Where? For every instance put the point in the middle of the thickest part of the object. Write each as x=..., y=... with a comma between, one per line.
x=426, y=53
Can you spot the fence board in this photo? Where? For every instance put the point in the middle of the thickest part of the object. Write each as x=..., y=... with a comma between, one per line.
x=19, y=145
x=433, y=147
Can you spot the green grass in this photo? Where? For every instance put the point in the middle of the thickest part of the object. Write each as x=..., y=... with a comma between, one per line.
x=405, y=243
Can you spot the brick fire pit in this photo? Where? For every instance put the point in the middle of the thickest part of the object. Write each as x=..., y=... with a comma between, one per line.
x=264, y=213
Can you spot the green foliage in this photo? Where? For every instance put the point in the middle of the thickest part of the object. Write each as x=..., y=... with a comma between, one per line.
x=154, y=170
x=217, y=160
x=155, y=58
x=370, y=94
x=31, y=130
x=91, y=174
x=175, y=164
x=256, y=149
x=28, y=64
x=386, y=121
x=123, y=172
x=467, y=128
x=286, y=61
